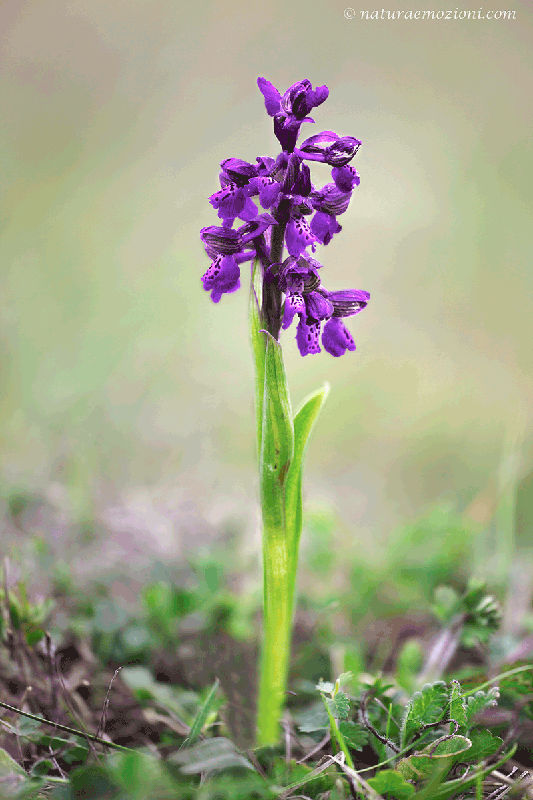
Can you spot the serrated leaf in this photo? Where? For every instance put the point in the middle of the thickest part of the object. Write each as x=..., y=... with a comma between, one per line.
x=479, y=701
x=423, y=764
x=484, y=744
x=417, y=768
x=201, y=717
x=425, y=707
x=325, y=686
x=390, y=783
x=408, y=770
x=339, y=706
x=458, y=706
x=354, y=734
x=455, y=787
x=449, y=747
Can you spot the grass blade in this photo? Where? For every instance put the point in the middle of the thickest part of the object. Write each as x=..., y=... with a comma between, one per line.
x=201, y=717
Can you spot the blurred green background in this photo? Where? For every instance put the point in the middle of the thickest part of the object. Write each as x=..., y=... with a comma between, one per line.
x=127, y=393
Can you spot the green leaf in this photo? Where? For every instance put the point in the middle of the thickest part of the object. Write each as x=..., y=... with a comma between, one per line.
x=409, y=664
x=339, y=706
x=326, y=687
x=484, y=744
x=425, y=707
x=458, y=706
x=304, y=420
x=211, y=754
x=8, y=765
x=453, y=788
x=42, y=767
x=446, y=603
x=423, y=764
x=279, y=544
x=14, y=614
x=285, y=773
x=142, y=683
x=479, y=701
x=344, y=677
x=33, y=633
x=277, y=446
x=314, y=718
x=354, y=734
x=389, y=783
x=449, y=747
x=201, y=717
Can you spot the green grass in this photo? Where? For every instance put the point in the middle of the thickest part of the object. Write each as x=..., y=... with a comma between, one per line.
x=168, y=680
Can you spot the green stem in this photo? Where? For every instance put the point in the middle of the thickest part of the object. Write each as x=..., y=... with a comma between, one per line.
x=281, y=443
x=277, y=450
x=271, y=305
x=275, y=438
x=278, y=593
x=57, y=726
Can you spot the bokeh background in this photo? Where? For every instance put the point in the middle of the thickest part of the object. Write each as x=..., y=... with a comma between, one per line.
x=127, y=396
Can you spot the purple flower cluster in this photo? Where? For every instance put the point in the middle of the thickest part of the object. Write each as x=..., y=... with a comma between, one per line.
x=286, y=199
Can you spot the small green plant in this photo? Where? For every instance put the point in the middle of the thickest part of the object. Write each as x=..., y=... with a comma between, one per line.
x=365, y=737
x=22, y=616
x=419, y=745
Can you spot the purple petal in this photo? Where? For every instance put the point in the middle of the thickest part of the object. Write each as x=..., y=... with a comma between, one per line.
x=324, y=227
x=256, y=227
x=265, y=164
x=294, y=101
x=321, y=94
x=324, y=137
x=308, y=337
x=222, y=277
x=271, y=95
x=331, y=200
x=267, y=188
x=302, y=185
x=220, y=240
x=294, y=304
x=229, y=201
x=348, y=302
x=286, y=130
x=317, y=306
x=239, y=171
x=345, y=178
x=342, y=151
x=298, y=236
x=268, y=192
x=249, y=212
x=336, y=338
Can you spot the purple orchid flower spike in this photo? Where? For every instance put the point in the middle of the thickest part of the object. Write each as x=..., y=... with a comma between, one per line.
x=271, y=207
